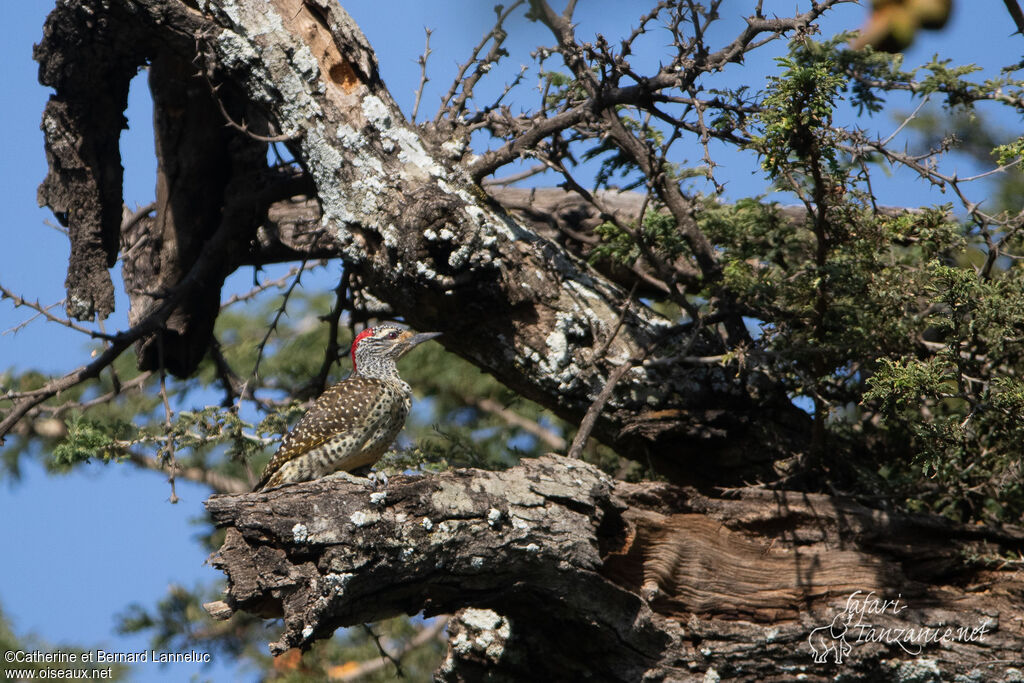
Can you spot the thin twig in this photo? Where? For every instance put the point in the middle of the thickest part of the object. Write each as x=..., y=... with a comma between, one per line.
x=594, y=411
x=220, y=483
x=454, y=105
x=668, y=274
x=271, y=284
x=242, y=127
x=990, y=172
x=509, y=87
x=705, y=137
x=423, y=74
x=168, y=449
x=115, y=381
x=45, y=312
x=134, y=383
x=603, y=349
x=906, y=121
x=333, y=319
x=590, y=418
x=515, y=177
x=553, y=440
x=270, y=330
x=133, y=218
x=385, y=655
x=371, y=666
x=229, y=379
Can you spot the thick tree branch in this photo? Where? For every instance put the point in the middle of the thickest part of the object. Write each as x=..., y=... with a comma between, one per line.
x=634, y=579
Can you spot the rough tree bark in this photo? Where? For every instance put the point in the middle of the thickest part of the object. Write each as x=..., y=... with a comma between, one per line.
x=561, y=573
x=551, y=564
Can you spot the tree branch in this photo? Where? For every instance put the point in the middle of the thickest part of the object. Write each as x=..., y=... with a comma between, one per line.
x=635, y=579
x=221, y=483
x=1013, y=7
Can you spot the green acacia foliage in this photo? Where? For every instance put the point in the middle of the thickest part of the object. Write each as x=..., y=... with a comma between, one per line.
x=796, y=116
x=900, y=330
x=960, y=408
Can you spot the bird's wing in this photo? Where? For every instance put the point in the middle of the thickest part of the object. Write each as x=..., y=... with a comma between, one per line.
x=344, y=408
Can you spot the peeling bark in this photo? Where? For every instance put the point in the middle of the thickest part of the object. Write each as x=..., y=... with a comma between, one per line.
x=563, y=574
x=82, y=124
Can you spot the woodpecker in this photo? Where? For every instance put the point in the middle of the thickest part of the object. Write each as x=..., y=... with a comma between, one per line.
x=352, y=424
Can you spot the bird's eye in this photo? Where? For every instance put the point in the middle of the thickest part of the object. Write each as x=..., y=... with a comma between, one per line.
x=392, y=335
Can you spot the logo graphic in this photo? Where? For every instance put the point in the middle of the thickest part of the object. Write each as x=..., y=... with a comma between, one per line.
x=826, y=639
x=857, y=624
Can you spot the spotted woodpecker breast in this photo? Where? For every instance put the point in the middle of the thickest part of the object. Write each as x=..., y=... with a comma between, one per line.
x=361, y=412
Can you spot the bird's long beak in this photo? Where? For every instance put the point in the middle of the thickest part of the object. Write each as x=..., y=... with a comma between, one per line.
x=415, y=339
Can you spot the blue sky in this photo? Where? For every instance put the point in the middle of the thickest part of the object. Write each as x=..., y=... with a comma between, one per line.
x=84, y=546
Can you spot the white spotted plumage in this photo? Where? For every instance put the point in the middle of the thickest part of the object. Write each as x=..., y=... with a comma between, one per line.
x=352, y=424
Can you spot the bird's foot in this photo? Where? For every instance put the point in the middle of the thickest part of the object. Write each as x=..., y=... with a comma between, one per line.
x=379, y=479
